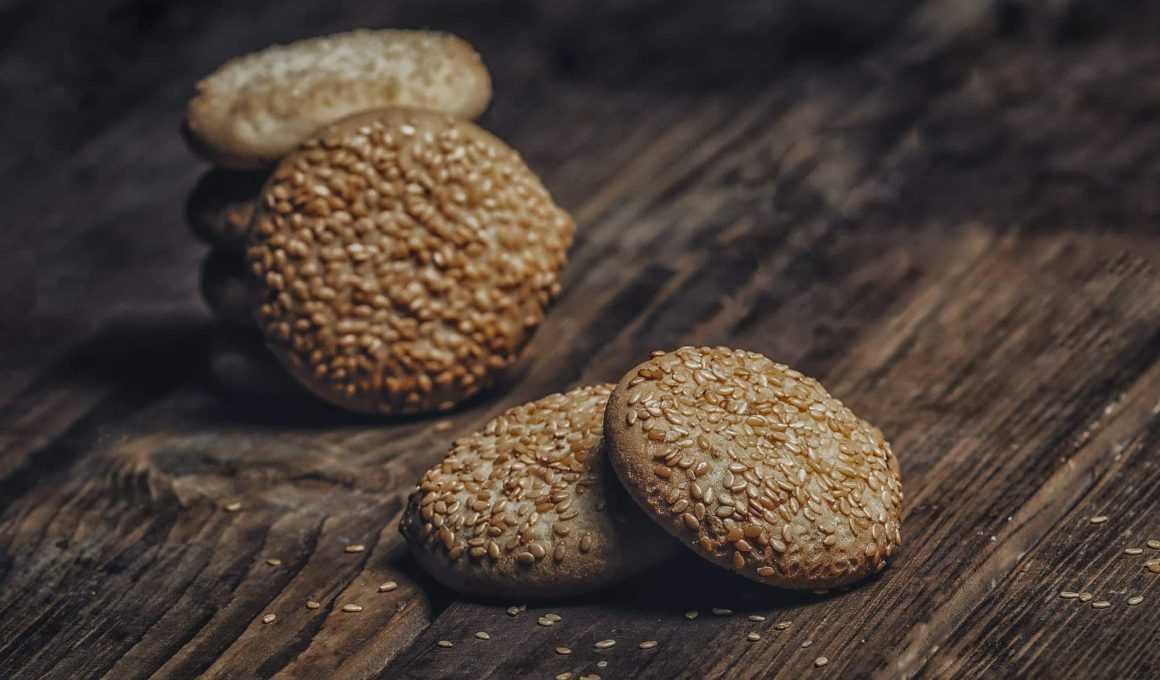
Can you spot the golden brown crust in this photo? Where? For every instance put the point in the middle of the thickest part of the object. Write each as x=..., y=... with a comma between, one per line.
x=406, y=258
x=528, y=508
x=258, y=107
x=755, y=467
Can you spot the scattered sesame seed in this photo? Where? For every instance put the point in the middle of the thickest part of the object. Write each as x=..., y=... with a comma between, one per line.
x=648, y=644
x=1068, y=594
x=273, y=561
x=605, y=644
x=1153, y=544
x=232, y=507
x=1135, y=600
x=753, y=637
x=269, y=618
x=513, y=611
x=821, y=661
x=1099, y=519
x=355, y=548
x=445, y=643
x=1153, y=567
x=566, y=675
x=483, y=635
x=782, y=625
x=807, y=643
x=352, y=608
x=1101, y=604
x=692, y=614
x=1133, y=551
x=442, y=426
x=553, y=617
x=563, y=650
x=1085, y=597
x=602, y=664
x=758, y=618
x=388, y=586
x=721, y=611
x=545, y=621
x=313, y=604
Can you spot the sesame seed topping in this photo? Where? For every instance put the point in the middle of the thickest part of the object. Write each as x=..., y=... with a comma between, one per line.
x=772, y=475
x=1099, y=519
x=232, y=507
x=355, y=548
x=445, y=643
x=269, y=618
x=313, y=604
x=352, y=608
x=404, y=260
x=821, y=661
x=1101, y=604
x=483, y=635
x=605, y=644
x=1135, y=600
x=563, y=650
x=648, y=644
x=753, y=637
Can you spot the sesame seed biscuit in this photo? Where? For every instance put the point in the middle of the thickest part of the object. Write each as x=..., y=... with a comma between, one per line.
x=258, y=107
x=755, y=467
x=219, y=208
x=406, y=258
x=228, y=291
x=528, y=508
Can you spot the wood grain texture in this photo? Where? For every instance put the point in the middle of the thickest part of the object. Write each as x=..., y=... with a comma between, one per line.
x=945, y=211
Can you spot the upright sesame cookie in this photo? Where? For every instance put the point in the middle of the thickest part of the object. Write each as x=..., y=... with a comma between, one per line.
x=529, y=508
x=406, y=257
x=755, y=467
x=258, y=107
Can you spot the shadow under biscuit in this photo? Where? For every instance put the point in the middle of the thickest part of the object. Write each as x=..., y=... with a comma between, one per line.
x=240, y=363
x=227, y=289
x=219, y=207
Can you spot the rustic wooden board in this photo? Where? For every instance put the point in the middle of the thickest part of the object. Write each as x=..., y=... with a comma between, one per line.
x=951, y=223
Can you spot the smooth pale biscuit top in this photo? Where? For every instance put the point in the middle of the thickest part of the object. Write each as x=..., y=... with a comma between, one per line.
x=256, y=108
x=528, y=507
x=756, y=467
x=406, y=257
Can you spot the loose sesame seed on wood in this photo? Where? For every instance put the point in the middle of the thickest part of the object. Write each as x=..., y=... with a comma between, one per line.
x=232, y=507
x=352, y=608
x=605, y=644
x=1153, y=544
x=388, y=586
x=483, y=635
x=1133, y=551
x=1135, y=600
x=445, y=643
x=648, y=644
x=355, y=548
x=1099, y=519
x=269, y=618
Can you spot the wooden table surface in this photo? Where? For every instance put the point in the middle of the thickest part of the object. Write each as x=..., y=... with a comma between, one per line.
x=946, y=211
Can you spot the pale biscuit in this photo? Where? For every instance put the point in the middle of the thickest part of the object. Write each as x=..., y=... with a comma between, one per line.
x=257, y=108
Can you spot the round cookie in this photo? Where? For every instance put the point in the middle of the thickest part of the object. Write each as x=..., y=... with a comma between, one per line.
x=240, y=363
x=257, y=108
x=755, y=467
x=529, y=508
x=405, y=258
x=227, y=289
x=219, y=208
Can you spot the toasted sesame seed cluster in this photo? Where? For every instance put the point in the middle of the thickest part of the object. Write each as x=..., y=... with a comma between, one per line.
x=406, y=257
x=756, y=467
x=528, y=508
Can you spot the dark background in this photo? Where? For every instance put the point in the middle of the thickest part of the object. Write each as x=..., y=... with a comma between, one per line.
x=946, y=211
